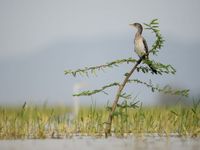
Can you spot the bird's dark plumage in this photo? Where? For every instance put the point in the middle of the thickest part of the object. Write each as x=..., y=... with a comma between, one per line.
x=145, y=45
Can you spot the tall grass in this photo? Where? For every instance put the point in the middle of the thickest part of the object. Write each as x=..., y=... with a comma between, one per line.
x=58, y=122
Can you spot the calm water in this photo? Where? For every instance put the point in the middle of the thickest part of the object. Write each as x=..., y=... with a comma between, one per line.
x=89, y=143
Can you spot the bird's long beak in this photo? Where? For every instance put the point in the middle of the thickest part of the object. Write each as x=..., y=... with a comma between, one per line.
x=132, y=25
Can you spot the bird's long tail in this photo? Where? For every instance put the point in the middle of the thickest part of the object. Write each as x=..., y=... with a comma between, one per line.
x=151, y=66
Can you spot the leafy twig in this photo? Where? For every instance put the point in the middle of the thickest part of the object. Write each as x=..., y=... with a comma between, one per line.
x=93, y=69
x=88, y=93
x=165, y=89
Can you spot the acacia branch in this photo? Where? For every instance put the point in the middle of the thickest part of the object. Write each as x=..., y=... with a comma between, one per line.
x=121, y=87
x=165, y=89
x=89, y=93
x=93, y=69
x=158, y=44
x=160, y=68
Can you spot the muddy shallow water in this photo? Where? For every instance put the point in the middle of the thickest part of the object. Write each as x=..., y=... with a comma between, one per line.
x=90, y=143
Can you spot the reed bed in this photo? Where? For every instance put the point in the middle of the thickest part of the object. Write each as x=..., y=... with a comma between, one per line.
x=60, y=122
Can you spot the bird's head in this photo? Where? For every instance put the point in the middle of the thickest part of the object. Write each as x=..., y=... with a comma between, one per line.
x=137, y=26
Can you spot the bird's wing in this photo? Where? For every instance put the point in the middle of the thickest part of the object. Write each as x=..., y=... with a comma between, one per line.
x=145, y=45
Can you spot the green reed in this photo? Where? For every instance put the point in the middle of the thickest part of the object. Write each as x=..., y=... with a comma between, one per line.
x=59, y=121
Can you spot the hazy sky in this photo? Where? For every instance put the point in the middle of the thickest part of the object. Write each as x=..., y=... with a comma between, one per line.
x=39, y=39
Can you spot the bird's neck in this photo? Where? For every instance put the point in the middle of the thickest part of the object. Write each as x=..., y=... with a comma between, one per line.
x=139, y=33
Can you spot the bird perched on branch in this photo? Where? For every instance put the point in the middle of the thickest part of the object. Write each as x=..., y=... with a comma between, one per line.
x=140, y=44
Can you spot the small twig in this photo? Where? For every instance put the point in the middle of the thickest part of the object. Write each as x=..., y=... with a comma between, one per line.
x=165, y=89
x=89, y=93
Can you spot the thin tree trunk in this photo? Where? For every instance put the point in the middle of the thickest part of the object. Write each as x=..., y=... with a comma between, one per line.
x=119, y=91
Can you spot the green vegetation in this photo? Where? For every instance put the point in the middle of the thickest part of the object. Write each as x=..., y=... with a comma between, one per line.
x=123, y=117
x=139, y=65
x=56, y=122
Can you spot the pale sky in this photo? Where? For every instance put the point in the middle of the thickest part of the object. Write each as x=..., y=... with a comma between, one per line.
x=39, y=39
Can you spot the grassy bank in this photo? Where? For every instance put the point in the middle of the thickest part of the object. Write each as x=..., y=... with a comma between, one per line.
x=58, y=121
